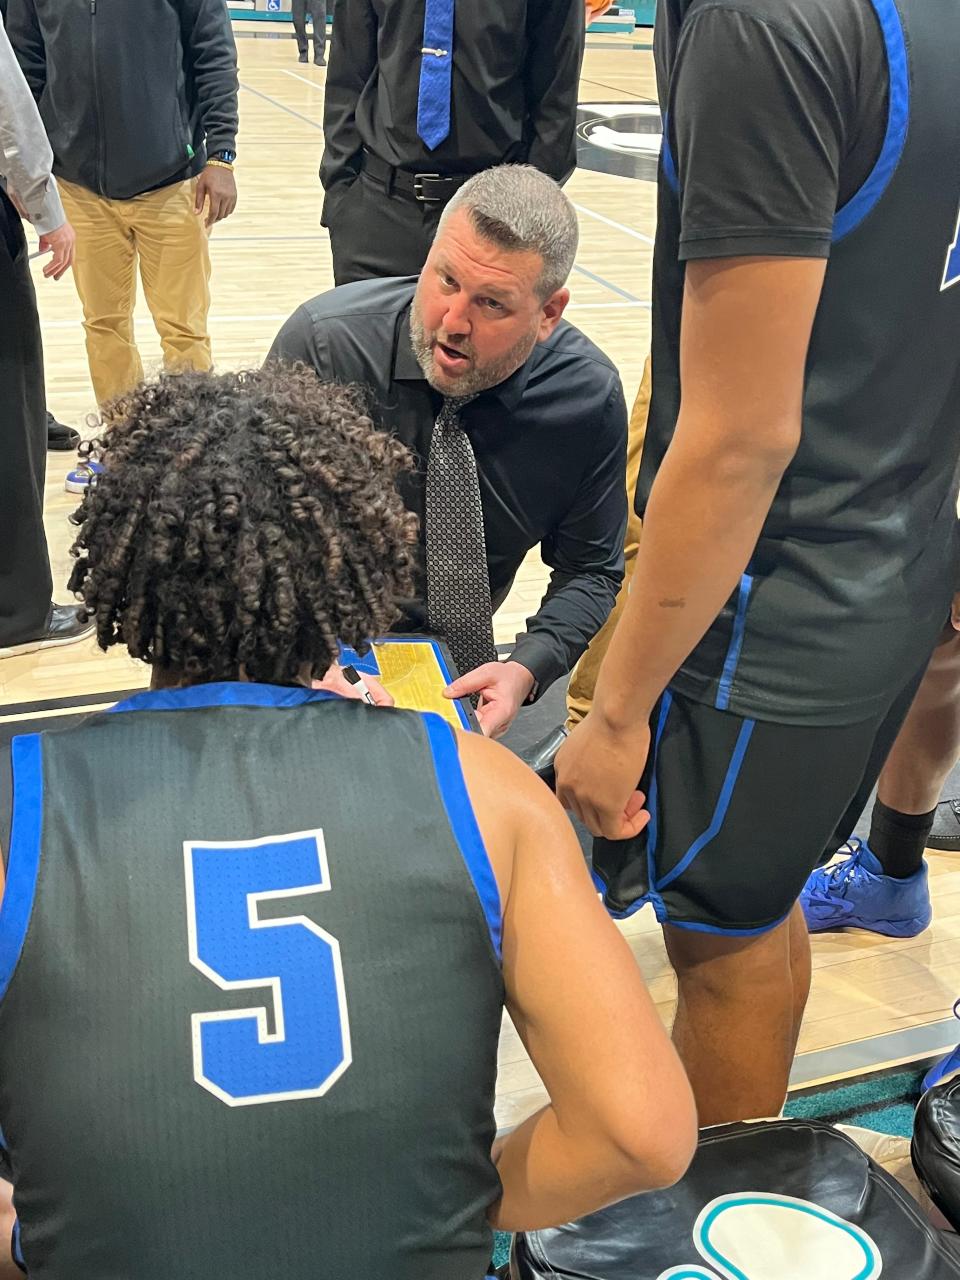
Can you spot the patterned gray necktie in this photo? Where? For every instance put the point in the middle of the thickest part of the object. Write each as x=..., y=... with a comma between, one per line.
x=458, y=583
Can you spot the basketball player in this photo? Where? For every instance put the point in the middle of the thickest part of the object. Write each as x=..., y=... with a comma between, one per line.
x=256, y=939
x=799, y=538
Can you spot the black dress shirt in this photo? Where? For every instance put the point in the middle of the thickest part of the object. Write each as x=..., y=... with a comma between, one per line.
x=516, y=70
x=550, y=444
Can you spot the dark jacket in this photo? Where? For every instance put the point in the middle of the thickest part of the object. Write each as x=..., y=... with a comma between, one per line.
x=133, y=93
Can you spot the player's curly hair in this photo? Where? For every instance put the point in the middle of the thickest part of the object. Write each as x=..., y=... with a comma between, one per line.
x=243, y=521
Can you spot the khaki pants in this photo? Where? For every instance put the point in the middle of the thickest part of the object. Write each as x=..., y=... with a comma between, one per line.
x=170, y=240
x=584, y=676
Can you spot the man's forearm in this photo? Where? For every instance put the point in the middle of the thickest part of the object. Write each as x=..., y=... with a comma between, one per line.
x=701, y=525
x=573, y=611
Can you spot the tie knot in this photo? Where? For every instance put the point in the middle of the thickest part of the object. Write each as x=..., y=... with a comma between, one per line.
x=449, y=415
x=453, y=404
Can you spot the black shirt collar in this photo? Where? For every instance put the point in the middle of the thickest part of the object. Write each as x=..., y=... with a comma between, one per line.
x=406, y=369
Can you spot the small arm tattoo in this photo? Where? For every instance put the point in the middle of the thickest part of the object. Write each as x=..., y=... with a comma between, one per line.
x=679, y=602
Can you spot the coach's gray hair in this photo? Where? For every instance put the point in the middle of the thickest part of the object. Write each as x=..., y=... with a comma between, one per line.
x=518, y=207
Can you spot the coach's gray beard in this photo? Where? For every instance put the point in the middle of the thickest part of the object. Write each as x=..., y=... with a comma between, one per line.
x=481, y=377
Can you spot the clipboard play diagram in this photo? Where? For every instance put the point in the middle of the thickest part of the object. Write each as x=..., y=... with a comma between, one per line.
x=415, y=670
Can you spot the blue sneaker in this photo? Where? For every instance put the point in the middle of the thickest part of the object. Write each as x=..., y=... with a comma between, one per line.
x=855, y=894
x=946, y=1066
x=82, y=476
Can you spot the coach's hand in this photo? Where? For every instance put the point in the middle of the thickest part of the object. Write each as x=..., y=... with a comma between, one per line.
x=597, y=770
x=502, y=687
x=218, y=185
x=336, y=682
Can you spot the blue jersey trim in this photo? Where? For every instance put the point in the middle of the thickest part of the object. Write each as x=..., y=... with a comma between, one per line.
x=898, y=120
x=23, y=864
x=736, y=644
x=624, y=913
x=238, y=693
x=666, y=157
x=18, y=1246
x=463, y=822
x=723, y=804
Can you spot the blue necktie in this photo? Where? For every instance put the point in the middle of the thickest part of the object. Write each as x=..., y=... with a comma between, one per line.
x=436, y=69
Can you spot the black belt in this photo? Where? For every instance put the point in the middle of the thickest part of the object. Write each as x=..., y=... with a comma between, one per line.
x=431, y=188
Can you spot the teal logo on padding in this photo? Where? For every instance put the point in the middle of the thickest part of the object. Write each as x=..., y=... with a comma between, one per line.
x=755, y=1236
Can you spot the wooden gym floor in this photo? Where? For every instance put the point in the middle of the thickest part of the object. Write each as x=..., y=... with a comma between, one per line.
x=874, y=1000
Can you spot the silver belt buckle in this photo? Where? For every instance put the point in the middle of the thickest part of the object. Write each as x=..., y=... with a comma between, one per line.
x=418, y=179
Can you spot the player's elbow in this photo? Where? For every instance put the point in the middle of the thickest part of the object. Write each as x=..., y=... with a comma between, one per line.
x=656, y=1150
x=761, y=451
x=667, y=1159
x=740, y=450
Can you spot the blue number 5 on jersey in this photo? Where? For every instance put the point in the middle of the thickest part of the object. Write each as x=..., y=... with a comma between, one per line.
x=236, y=1056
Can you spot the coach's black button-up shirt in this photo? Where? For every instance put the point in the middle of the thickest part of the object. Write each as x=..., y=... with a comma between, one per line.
x=550, y=444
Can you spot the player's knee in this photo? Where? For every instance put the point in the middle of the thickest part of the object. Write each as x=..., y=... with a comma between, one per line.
x=728, y=971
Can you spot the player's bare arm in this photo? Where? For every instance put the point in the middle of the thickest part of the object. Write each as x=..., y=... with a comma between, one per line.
x=746, y=330
x=8, y=1268
x=572, y=981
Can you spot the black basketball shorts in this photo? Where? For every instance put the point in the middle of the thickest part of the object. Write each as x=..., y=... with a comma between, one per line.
x=741, y=811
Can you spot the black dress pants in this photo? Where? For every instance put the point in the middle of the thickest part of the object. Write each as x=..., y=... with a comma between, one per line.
x=25, y=582
x=376, y=233
x=318, y=8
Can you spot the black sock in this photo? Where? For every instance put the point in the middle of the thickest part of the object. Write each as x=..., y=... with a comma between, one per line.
x=897, y=840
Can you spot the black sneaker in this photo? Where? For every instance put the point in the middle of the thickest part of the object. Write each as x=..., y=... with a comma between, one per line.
x=60, y=436
x=76, y=516
x=303, y=58
x=64, y=626
x=320, y=61
x=946, y=827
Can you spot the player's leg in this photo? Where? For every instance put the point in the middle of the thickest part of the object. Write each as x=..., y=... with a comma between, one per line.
x=740, y=809
x=926, y=750
x=882, y=885
x=801, y=969
x=735, y=1027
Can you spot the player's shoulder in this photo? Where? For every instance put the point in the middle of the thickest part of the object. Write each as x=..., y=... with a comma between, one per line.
x=499, y=782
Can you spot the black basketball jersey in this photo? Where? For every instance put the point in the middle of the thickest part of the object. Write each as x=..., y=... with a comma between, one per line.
x=853, y=571
x=250, y=994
